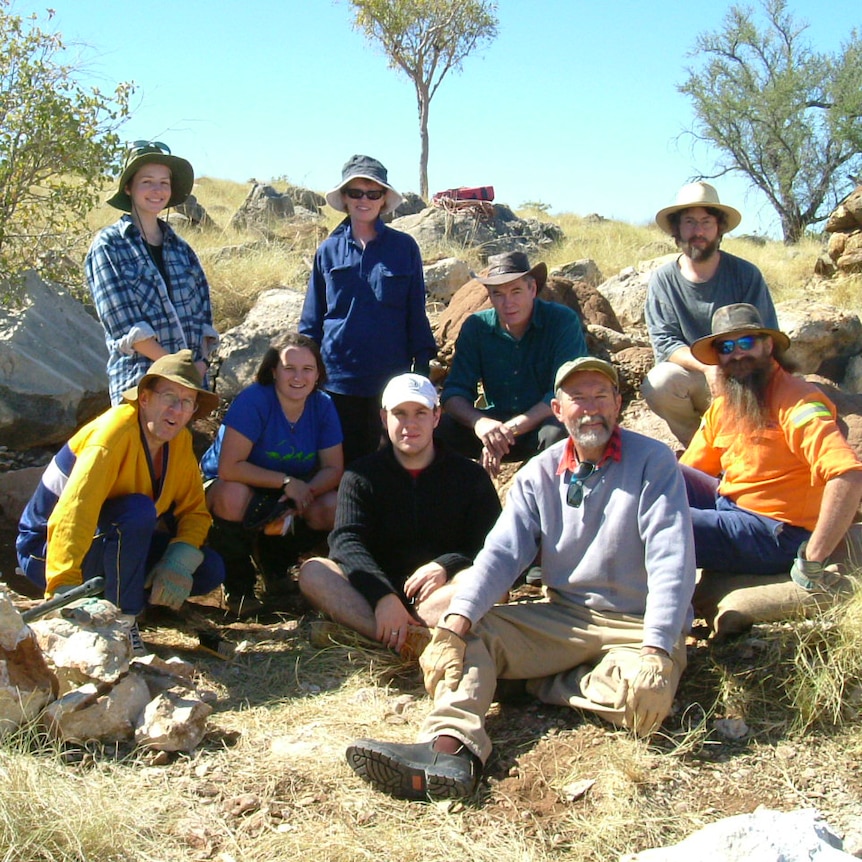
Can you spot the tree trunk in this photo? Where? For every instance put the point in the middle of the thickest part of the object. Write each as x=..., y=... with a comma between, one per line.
x=424, y=105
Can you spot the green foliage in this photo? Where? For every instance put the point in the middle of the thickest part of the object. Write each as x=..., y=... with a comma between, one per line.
x=786, y=117
x=426, y=39
x=57, y=140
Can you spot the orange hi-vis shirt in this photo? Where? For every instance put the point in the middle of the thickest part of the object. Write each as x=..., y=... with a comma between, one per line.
x=781, y=470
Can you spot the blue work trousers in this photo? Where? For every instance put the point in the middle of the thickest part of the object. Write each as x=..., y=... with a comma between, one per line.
x=130, y=539
x=728, y=538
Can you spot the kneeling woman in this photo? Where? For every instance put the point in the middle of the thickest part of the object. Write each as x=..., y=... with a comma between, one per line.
x=277, y=458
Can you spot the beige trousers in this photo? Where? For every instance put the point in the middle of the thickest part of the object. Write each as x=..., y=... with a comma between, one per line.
x=678, y=396
x=572, y=656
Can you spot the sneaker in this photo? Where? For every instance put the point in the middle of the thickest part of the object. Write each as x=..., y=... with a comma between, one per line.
x=139, y=648
x=414, y=771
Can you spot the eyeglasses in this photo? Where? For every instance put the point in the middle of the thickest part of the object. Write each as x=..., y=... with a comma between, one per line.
x=575, y=494
x=171, y=402
x=727, y=346
x=358, y=194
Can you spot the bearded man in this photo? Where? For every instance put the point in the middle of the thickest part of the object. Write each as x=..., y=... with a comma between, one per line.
x=682, y=297
x=772, y=483
x=607, y=509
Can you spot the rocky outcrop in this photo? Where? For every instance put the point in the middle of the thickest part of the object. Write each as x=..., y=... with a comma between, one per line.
x=52, y=367
x=844, y=226
x=493, y=229
x=262, y=209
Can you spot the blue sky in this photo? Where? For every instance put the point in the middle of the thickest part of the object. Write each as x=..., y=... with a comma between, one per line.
x=574, y=104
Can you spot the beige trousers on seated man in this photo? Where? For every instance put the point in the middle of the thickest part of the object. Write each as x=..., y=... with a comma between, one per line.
x=678, y=396
x=572, y=656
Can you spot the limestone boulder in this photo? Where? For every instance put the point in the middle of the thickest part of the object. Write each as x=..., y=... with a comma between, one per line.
x=275, y=312
x=819, y=334
x=52, y=367
x=580, y=270
x=789, y=836
x=444, y=278
x=411, y=205
x=98, y=713
x=175, y=720
x=627, y=291
x=27, y=683
x=84, y=643
x=194, y=211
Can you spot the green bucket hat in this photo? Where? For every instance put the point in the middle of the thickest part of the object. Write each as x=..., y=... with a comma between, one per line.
x=179, y=368
x=153, y=152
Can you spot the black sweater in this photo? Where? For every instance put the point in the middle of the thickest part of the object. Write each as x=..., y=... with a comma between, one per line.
x=387, y=523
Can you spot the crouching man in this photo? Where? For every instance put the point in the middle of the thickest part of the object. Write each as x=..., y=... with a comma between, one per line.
x=123, y=499
x=608, y=511
x=409, y=517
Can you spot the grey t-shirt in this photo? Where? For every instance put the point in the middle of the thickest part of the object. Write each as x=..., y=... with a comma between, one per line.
x=679, y=311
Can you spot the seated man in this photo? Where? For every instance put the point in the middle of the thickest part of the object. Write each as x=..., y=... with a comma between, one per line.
x=607, y=508
x=408, y=518
x=123, y=499
x=771, y=480
x=513, y=350
x=682, y=297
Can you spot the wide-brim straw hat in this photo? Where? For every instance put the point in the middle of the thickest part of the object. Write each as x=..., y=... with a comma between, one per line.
x=734, y=320
x=503, y=268
x=366, y=168
x=179, y=368
x=697, y=194
x=182, y=174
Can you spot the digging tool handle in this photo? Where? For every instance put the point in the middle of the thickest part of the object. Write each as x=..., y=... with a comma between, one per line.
x=88, y=588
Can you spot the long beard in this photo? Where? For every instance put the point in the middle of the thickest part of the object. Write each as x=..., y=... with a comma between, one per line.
x=744, y=385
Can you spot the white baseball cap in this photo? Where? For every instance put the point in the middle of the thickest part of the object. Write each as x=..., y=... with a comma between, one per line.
x=409, y=387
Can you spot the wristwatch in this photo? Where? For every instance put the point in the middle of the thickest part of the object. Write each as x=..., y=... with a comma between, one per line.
x=286, y=481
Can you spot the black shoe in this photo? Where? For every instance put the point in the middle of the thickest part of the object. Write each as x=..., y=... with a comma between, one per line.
x=414, y=771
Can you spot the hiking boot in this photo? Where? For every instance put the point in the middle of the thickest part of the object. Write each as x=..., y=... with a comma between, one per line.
x=136, y=642
x=414, y=771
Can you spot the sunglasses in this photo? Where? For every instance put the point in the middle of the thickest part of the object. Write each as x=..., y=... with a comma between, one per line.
x=727, y=346
x=575, y=494
x=358, y=194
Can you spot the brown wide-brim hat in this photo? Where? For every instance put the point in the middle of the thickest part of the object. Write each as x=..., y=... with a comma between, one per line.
x=182, y=175
x=698, y=194
x=365, y=168
x=503, y=268
x=737, y=319
x=179, y=368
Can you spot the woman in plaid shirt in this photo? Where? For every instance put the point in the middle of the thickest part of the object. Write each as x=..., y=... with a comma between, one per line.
x=148, y=286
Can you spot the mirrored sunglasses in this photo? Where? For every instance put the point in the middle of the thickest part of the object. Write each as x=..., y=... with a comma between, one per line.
x=358, y=194
x=726, y=346
x=575, y=493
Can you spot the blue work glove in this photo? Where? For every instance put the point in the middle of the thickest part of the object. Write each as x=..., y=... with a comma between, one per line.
x=811, y=575
x=171, y=577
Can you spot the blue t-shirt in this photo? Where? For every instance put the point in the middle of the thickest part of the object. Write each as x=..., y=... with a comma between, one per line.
x=276, y=445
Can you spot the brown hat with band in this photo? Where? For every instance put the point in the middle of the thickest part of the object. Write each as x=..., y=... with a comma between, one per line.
x=178, y=368
x=503, y=268
x=698, y=194
x=739, y=318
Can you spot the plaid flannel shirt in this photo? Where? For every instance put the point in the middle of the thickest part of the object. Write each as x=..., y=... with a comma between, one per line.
x=134, y=303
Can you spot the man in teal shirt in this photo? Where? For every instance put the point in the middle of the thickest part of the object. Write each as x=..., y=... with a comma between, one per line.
x=513, y=349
